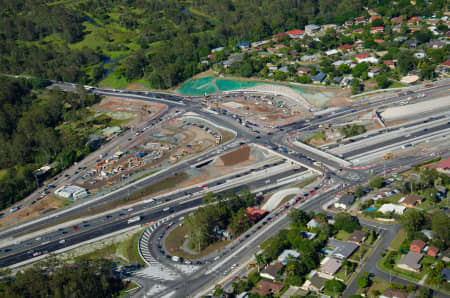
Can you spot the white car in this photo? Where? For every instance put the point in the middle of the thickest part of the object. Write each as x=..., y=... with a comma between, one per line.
x=62, y=241
x=130, y=209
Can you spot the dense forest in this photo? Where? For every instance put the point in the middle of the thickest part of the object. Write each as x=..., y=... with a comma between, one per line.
x=162, y=41
x=94, y=278
x=29, y=134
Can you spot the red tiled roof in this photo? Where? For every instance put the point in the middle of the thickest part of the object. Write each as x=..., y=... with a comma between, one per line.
x=359, y=30
x=388, y=62
x=413, y=19
x=446, y=163
x=375, y=18
x=378, y=41
x=398, y=20
x=362, y=56
x=295, y=32
x=432, y=251
x=345, y=47
x=378, y=28
x=418, y=243
x=360, y=19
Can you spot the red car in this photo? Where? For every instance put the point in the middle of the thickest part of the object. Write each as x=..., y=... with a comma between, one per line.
x=234, y=278
x=75, y=228
x=203, y=186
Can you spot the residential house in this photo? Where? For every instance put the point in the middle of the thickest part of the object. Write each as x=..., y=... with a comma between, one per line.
x=244, y=45
x=376, y=29
x=330, y=265
x=411, y=262
x=373, y=18
x=211, y=56
x=411, y=201
x=433, y=21
x=318, y=78
x=432, y=251
x=331, y=52
x=435, y=44
x=358, y=31
x=378, y=41
x=257, y=44
x=442, y=190
x=308, y=235
x=284, y=69
x=294, y=291
x=412, y=44
x=267, y=288
x=288, y=254
x=447, y=35
x=329, y=26
x=396, y=28
x=444, y=166
x=394, y=208
x=445, y=274
x=302, y=71
x=227, y=63
x=217, y=49
x=296, y=33
x=397, y=20
x=357, y=237
x=409, y=79
x=373, y=72
x=346, y=48
x=445, y=255
x=360, y=20
x=242, y=295
x=417, y=246
x=414, y=29
x=348, y=23
x=400, y=38
x=361, y=56
x=420, y=55
x=413, y=21
x=271, y=271
x=344, y=202
x=394, y=293
x=312, y=29
x=364, y=57
x=310, y=58
x=391, y=63
x=313, y=223
x=315, y=283
x=428, y=233
x=342, y=249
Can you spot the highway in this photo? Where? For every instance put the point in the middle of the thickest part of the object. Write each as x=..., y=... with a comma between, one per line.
x=67, y=236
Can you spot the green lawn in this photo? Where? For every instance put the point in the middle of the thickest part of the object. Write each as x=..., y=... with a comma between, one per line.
x=114, y=81
x=342, y=235
x=398, y=240
x=129, y=249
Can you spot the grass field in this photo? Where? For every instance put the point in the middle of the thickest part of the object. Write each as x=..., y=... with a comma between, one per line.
x=398, y=240
x=129, y=249
x=342, y=235
x=176, y=238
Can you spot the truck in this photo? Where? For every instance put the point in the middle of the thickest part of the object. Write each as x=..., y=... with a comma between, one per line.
x=134, y=219
x=251, y=265
x=175, y=259
x=388, y=156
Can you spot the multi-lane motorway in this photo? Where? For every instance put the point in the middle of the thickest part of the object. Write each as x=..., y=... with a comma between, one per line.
x=276, y=138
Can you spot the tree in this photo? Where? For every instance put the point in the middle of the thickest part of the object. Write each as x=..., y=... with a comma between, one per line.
x=359, y=191
x=218, y=291
x=363, y=280
x=382, y=81
x=356, y=86
x=347, y=222
x=359, y=69
x=334, y=286
x=412, y=221
x=246, y=70
x=298, y=218
x=425, y=292
x=440, y=225
x=376, y=182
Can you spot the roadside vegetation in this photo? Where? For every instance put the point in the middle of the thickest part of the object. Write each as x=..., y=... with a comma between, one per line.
x=39, y=127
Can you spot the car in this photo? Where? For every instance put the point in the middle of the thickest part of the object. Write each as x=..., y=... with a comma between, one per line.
x=38, y=239
x=38, y=253
x=75, y=228
x=129, y=139
x=235, y=277
x=130, y=209
x=62, y=241
x=203, y=186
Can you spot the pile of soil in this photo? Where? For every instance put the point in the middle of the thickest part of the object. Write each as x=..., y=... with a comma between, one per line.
x=237, y=156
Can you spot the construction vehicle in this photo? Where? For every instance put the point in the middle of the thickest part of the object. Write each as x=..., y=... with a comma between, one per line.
x=387, y=156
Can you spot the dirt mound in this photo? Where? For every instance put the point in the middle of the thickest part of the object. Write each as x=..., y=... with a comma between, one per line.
x=236, y=156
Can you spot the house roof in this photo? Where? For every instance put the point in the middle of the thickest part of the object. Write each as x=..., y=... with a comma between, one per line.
x=394, y=293
x=392, y=208
x=414, y=20
x=318, y=77
x=295, y=32
x=313, y=223
x=346, y=47
x=389, y=62
x=378, y=40
x=362, y=56
x=445, y=273
x=445, y=164
x=412, y=259
x=288, y=253
x=432, y=251
x=265, y=287
x=377, y=28
x=412, y=200
x=418, y=243
x=331, y=265
x=317, y=281
x=357, y=236
x=373, y=18
x=397, y=20
x=346, y=199
x=272, y=269
x=342, y=249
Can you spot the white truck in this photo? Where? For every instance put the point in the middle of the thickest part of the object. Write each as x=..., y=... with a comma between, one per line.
x=134, y=219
